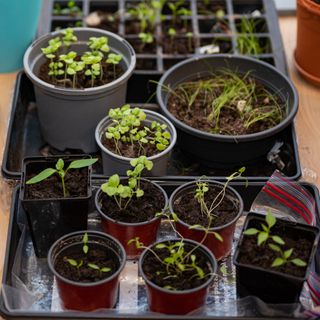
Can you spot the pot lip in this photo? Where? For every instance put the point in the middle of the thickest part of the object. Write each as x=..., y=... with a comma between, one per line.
x=134, y=224
x=211, y=182
x=228, y=138
x=311, y=78
x=44, y=159
x=154, y=157
x=211, y=259
x=255, y=215
x=80, y=284
x=68, y=91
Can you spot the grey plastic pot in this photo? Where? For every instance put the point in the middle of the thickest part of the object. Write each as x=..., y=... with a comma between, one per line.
x=227, y=150
x=67, y=116
x=113, y=163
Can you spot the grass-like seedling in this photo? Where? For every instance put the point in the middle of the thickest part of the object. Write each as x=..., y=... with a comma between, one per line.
x=70, y=10
x=123, y=194
x=61, y=171
x=127, y=128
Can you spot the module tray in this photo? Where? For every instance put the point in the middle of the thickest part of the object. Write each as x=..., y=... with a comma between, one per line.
x=24, y=139
x=29, y=290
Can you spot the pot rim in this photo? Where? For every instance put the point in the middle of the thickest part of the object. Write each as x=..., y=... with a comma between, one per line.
x=85, y=284
x=187, y=185
x=228, y=138
x=310, y=77
x=255, y=215
x=211, y=259
x=156, y=156
x=86, y=91
x=128, y=224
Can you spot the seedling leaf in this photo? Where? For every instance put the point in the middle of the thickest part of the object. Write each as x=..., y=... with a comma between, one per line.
x=77, y=164
x=278, y=262
x=298, y=262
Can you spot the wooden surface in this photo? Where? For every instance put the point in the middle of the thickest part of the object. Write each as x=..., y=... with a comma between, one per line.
x=307, y=125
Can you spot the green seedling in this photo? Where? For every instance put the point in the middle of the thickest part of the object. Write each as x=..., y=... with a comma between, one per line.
x=189, y=36
x=76, y=264
x=114, y=59
x=59, y=169
x=55, y=70
x=284, y=257
x=172, y=33
x=175, y=7
x=99, y=45
x=146, y=38
x=185, y=13
x=95, y=267
x=68, y=37
x=71, y=10
x=68, y=59
x=93, y=64
x=85, y=240
x=73, y=69
x=127, y=127
x=264, y=233
x=123, y=194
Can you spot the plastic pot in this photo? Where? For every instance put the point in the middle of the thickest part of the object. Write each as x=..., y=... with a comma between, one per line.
x=87, y=296
x=177, y=302
x=68, y=117
x=218, y=248
x=51, y=218
x=270, y=285
x=227, y=150
x=123, y=231
x=114, y=163
x=308, y=33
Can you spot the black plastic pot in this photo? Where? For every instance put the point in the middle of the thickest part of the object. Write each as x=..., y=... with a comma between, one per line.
x=224, y=150
x=114, y=163
x=67, y=116
x=49, y=219
x=270, y=285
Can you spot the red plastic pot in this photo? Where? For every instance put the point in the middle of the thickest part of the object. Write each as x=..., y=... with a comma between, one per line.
x=307, y=52
x=123, y=231
x=177, y=302
x=87, y=296
x=218, y=248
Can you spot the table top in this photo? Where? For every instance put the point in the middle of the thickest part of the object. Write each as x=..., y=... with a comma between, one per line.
x=307, y=126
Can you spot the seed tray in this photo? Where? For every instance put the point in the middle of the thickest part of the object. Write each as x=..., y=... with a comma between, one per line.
x=207, y=28
x=24, y=139
x=29, y=290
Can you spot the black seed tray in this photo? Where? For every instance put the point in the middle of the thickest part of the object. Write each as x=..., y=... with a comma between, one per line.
x=203, y=23
x=24, y=139
x=222, y=302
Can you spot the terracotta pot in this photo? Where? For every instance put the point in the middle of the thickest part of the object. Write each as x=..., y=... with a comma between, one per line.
x=123, y=231
x=177, y=302
x=307, y=52
x=218, y=248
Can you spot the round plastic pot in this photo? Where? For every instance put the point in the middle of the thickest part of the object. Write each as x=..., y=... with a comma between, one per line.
x=307, y=52
x=227, y=150
x=87, y=296
x=177, y=302
x=146, y=231
x=67, y=116
x=218, y=248
x=114, y=163
x=51, y=218
x=272, y=286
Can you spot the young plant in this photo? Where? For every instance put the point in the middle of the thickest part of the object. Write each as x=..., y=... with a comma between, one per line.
x=93, y=63
x=99, y=45
x=189, y=36
x=71, y=9
x=172, y=33
x=284, y=257
x=100, y=269
x=68, y=37
x=185, y=13
x=59, y=169
x=264, y=233
x=114, y=59
x=123, y=194
x=68, y=59
x=146, y=38
x=175, y=7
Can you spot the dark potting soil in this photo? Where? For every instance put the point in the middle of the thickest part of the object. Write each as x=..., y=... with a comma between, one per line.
x=188, y=208
x=157, y=273
x=178, y=45
x=101, y=256
x=103, y=20
x=139, y=209
x=140, y=47
x=82, y=81
x=130, y=150
x=181, y=26
x=133, y=27
x=230, y=120
x=76, y=183
x=262, y=256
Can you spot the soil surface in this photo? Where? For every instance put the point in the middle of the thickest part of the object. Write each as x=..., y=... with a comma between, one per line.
x=156, y=271
x=143, y=48
x=252, y=254
x=103, y=20
x=188, y=208
x=181, y=26
x=139, y=209
x=82, y=80
x=178, y=45
x=132, y=26
x=98, y=255
x=76, y=183
x=231, y=121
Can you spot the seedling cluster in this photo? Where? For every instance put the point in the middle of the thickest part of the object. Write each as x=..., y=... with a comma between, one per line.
x=128, y=128
x=67, y=67
x=71, y=9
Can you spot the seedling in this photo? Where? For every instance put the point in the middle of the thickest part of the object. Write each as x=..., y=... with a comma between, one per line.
x=172, y=34
x=93, y=61
x=114, y=59
x=95, y=267
x=284, y=257
x=185, y=13
x=146, y=38
x=99, y=45
x=68, y=37
x=189, y=36
x=175, y=7
x=72, y=9
x=59, y=169
x=265, y=232
x=76, y=264
x=127, y=128
x=123, y=194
